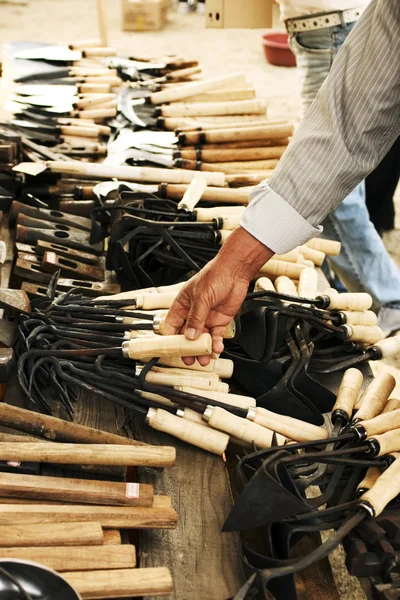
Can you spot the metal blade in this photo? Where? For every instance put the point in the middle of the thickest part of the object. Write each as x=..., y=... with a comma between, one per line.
x=44, y=90
x=30, y=168
x=105, y=188
x=51, y=53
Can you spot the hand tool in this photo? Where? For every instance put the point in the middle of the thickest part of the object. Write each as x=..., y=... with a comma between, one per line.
x=55, y=534
x=269, y=132
x=62, y=53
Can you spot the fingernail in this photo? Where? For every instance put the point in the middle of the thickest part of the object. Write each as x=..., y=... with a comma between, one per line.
x=190, y=333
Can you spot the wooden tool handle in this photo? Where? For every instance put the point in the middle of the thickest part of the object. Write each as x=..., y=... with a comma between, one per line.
x=386, y=487
x=284, y=285
x=97, y=113
x=213, y=194
x=308, y=283
x=316, y=256
x=391, y=404
x=349, y=389
x=292, y=256
x=387, y=442
x=207, y=214
x=89, y=43
x=347, y=301
x=264, y=284
x=199, y=109
x=294, y=429
x=276, y=268
x=193, y=193
x=382, y=423
x=168, y=346
x=223, y=367
x=173, y=378
x=77, y=558
x=94, y=88
x=93, y=99
x=58, y=430
x=327, y=246
x=225, y=95
x=91, y=52
x=190, y=432
x=55, y=534
x=230, y=221
x=121, y=583
x=227, y=155
x=191, y=89
x=243, y=429
x=149, y=174
x=389, y=346
x=361, y=317
x=369, y=480
x=90, y=454
x=375, y=396
x=155, y=301
x=239, y=134
x=79, y=131
x=364, y=333
x=233, y=399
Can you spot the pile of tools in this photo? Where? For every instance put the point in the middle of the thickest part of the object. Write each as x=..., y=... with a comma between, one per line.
x=79, y=527
x=356, y=472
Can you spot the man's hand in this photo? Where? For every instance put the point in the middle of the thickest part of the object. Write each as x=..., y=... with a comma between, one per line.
x=211, y=299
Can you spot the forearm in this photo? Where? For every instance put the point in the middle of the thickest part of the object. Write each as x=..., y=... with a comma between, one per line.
x=243, y=254
x=347, y=131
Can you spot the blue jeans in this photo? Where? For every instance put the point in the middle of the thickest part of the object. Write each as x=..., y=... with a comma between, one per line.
x=363, y=264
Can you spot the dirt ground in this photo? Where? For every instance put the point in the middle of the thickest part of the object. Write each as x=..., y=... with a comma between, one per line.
x=220, y=52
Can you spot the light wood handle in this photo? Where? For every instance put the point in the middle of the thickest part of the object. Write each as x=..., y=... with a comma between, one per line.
x=77, y=558
x=361, y=317
x=365, y=334
x=208, y=214
x=193, y=193
x=190, y=379
x=388, y=442
x=267, y=132
x=131, y=295
x=94, y=88
x=58, y=430
x=90, y=52
x=54, y=534
x=89, y=43
x=225, y=95
x=110, y=517
x=233, y=399
x=327, y=246
x=370, y=478
x=292, y=256
x=210, y=376
x=79, y=131
x=349, y=389
x=188, y=431
x=389, y=346
x=316, y=256
x=347, y=301
x=264, y=284
x=230, y=221
x=199, y=109
x=156, y=301
x=91, y=454
x=308, y=283
x=294, y=429
x=241, y=154
x=386, y=487
x=112, y=536
x=213, y=194
x=168, y=346
x=75, y=490
x=391, y=404
x=375, y=396
x=284, y=285
x=94, y=99
x=150, y=174
x=191, y=89
x=243, y=429
x=121, y=583
x=97, y=113
x=223, y=367
x=382, y=423
x=275, y=268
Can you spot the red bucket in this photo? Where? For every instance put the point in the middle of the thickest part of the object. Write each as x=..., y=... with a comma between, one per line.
x=277, y=50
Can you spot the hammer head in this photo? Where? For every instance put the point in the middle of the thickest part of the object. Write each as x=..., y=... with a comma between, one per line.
x=15, y=300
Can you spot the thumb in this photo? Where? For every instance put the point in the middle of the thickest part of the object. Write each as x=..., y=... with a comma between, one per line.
x=196, y=319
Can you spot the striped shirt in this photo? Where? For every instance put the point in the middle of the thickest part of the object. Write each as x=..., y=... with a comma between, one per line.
x=349, y=128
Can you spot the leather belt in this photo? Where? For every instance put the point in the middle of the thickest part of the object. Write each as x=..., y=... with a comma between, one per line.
x=323, y=20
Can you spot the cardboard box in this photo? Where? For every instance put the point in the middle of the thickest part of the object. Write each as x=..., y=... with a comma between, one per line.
x=245, y=14
x=143, y=15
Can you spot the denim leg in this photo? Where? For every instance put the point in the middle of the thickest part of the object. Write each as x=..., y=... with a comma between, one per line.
x=364, y=264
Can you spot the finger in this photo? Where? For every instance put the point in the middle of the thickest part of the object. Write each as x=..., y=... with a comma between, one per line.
x=175, y=318
x=195, y=322
x=217, y=343
x=188, y=360
x=204, y=360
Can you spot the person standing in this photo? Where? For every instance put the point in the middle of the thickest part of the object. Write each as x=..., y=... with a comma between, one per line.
x=317, y=30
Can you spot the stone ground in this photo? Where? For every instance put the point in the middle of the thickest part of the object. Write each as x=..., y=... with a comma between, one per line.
x=220, y=51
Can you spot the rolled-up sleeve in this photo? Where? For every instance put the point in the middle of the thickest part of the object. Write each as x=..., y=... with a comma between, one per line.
x=349, y=128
